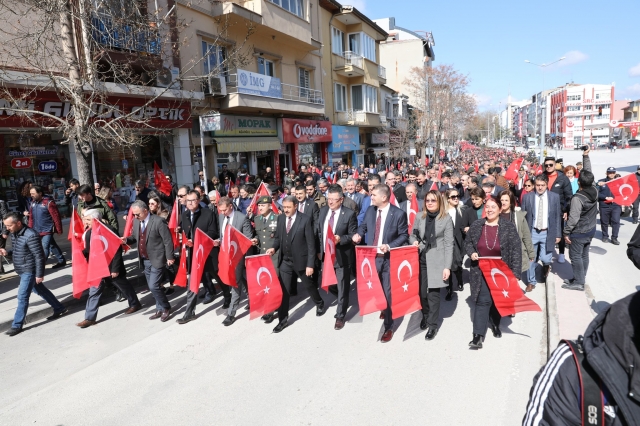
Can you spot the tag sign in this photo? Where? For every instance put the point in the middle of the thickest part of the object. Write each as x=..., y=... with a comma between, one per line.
x=21, y=163
x=48, y=166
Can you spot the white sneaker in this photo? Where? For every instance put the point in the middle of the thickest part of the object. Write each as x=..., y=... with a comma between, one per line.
x=561, y=258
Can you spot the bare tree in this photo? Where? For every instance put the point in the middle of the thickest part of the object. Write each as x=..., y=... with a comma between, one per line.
x=89, y=51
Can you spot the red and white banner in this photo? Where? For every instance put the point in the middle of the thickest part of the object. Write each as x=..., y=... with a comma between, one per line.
x=512, y=171
x=328, y=273
x=128, y=226
x=505, y=290
x=624, y=189
x=371, y=297
x=306, y=131
x=233, y=246
x=202, y=246
x=104, y=245
x=404, y=274
x=263, y=286
x=181, y=276
x=76, y=227
x=173, y=223
x=160, y=180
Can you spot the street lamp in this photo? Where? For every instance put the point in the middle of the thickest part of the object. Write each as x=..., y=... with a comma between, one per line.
x=542, y=106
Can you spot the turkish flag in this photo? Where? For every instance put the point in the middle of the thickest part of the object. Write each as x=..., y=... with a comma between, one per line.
x=78, y=267
x=261, y=192
x=393, y=200
x=181, y=276
x=160, y=180
x=104, y=245
x=328, y=273
x=404, y=270
x=434, y=187
x=477, y=165
x=371, y=297
x=173, y=223
x=440, y=172
x=413, y=211
x=202, y=245
x=505, y=291
x=335, y=177
x=356, y=175
x=128, y=226
x=624, y=189
x=512, y=171
x=76, y=226
x=234, y=246
x=539, y=170
x=263, y=286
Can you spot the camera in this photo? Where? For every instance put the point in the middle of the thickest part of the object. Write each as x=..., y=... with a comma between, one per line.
x=584, y=147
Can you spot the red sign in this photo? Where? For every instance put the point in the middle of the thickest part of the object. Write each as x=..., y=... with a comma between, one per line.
x=306, y=131
x=21, y=163
x=159, y=114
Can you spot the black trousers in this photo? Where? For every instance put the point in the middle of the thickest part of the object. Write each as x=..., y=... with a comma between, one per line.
x=458, y=274
x=485, y=311
x=344, y=287
x=288, y=279
x=192, y=298
x=610, y=215
x=429, y=299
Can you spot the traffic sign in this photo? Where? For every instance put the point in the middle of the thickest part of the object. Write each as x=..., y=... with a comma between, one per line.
x=48, y=166
x=21, y=163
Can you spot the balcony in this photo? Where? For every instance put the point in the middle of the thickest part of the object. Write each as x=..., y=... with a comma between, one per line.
x=361, y=118
x=382, y=73
x=349, y=64
x=399, y=124
x=126, y=36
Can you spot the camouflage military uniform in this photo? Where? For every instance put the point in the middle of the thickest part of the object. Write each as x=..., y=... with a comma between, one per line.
x=265, y=233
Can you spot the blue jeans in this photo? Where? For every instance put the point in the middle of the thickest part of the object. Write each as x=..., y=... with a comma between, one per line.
x=539, y=240
x=28, y=285
x=49, y=244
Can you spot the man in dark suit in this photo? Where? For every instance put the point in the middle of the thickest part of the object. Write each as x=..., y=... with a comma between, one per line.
x=350, y=192
x=295, y=241
x=155, y=252
x=398, y=190
x=344, y=225
x=411, y=191
x=118, y=275
x=384, y=226
x=544, y=216
x=307, y=205
x=232, y=295
x=201, y=181
x=225, y=173
x=196, y=217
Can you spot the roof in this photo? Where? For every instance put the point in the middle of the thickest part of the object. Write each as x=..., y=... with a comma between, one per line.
x=334, y=6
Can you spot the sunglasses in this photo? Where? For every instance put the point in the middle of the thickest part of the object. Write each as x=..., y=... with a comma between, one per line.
x=453, y=197
x=528, y=186
x=549, y=165
x=181, y=196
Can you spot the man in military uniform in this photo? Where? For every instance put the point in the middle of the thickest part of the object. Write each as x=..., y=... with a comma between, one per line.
x=265, y=224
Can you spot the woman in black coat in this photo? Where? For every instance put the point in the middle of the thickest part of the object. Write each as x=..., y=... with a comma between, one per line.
x=473, y=213
x=489, y=237
x=455, y=209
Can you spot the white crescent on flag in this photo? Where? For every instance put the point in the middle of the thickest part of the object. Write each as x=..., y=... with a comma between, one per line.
x=266, y=271
x=233, y=245
x=199, y=254
x=368, y=265
x=106, y=243
x=626, y=185
x=405, y=263
x=496, y=271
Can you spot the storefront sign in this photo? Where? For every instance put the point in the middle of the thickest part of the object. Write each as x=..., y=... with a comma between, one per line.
x=345, y=139
x=21, y=163
x=306, y=131
x=234, y=125
x=253, y=83
x=158, y=114
x=380, y=139
x=35, y=152
x=48, y=166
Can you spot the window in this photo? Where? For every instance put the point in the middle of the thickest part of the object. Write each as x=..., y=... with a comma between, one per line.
x=364, y=98
x=588, y=107
x=265, y=67
x=337, y=41
x=573, y=108
x=214, y=59
x=293, y=6
x=574, y=98
x=363, y=45
x=603, y=96
x=577, y=140
x=341, y=97
x=303, y=78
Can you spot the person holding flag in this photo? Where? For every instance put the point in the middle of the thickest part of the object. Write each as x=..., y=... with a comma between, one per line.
x=398, y=190
x=432, y=233
x=413, y=205
x=610, y=211
x=196, y=217
x=490, y=237
x=117, y=270
x=385, y=227
x=341, y=222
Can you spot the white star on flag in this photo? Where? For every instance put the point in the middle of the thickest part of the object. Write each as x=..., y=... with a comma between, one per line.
x=369, y=284
x=266, y=290
x=406, y=287
x=505, y=293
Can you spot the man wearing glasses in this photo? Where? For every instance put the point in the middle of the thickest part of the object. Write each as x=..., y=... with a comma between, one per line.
x=201, y=181
x=559, y=184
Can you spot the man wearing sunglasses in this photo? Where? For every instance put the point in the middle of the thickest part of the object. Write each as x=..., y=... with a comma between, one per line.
x=201, y=181
x=559, y=184
x=610, y=212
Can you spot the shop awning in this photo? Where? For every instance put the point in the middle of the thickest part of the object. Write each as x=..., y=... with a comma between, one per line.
x=248, y=144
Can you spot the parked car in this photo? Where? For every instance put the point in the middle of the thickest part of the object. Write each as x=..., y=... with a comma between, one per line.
x=634, y=142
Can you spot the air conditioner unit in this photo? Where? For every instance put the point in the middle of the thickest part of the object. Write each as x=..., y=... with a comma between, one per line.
x=168, y=77
x=216, y=86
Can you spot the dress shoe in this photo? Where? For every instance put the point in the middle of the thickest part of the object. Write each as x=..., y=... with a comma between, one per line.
x=13, y=331
x=431, y=333
x=165, y=315
x=423, y=323
x=339, y=324
x=226, y=305
x=561, y=258
x=208, y=299
x=86, y=323
x=57, y=315
x=460, y=287
x=59, y=265
x=157, y=315
x=228, y=321
x=497, y=333
x=281, y=325
x=476, y=343
x=268, y=319
x=449, y=295
x=530, y=288
x=572, y=286
x=635, y=221
x=545, y=271
x=615, y=242
x=170, y=290
x=186, y=319
x=381, y=314
x=132, y=309
x=387, y=336
x=320, y=310
x=605, y=240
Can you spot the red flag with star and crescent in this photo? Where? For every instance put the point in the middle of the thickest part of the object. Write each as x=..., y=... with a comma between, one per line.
x=233, y=246
x=79, y=267
x=202, y=246
x=261, y=192
x=160, y=180
x=512, y=171
x=181, y=276
x=356, y=175
x=404, y=271
x=393, y=200
x=624, y=189
x=505, y=290
x=76, y=227
x=413, y=211
x=328, y=273
x=128, y=226
x=173, y=223
x=263, y=286
x=104, y=245
x=371, y=297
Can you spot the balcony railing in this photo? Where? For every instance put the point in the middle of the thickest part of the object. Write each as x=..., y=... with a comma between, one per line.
x=349, y=59
x=382, y=72
x=399, y=123
x=289, y=92
x=135, y=37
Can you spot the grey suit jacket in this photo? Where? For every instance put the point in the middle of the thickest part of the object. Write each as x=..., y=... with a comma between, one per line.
x=440, y=257
x=239, y=222
x=159, y=242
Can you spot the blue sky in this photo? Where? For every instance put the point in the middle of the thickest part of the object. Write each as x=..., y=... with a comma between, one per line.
x=490, y=39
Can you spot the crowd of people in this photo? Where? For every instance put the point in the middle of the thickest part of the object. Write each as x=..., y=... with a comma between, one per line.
x=467, y=209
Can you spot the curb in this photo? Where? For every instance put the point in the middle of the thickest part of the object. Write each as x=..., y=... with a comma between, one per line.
x=553, y=323
x=69, y=301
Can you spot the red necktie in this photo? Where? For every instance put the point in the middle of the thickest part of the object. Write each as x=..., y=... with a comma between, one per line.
x=376, y=234
x=289, y=224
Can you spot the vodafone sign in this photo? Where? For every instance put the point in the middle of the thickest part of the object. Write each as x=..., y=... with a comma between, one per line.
x=306, y=131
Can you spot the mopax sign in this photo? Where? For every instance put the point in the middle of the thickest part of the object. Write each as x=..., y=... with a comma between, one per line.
x=306, y=131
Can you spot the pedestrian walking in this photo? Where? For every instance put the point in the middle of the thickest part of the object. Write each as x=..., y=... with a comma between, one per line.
x=636, y=203
x=455, y=209
x=610, y=211
x=44, y=218
x=28, y=260
x=509, y=211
